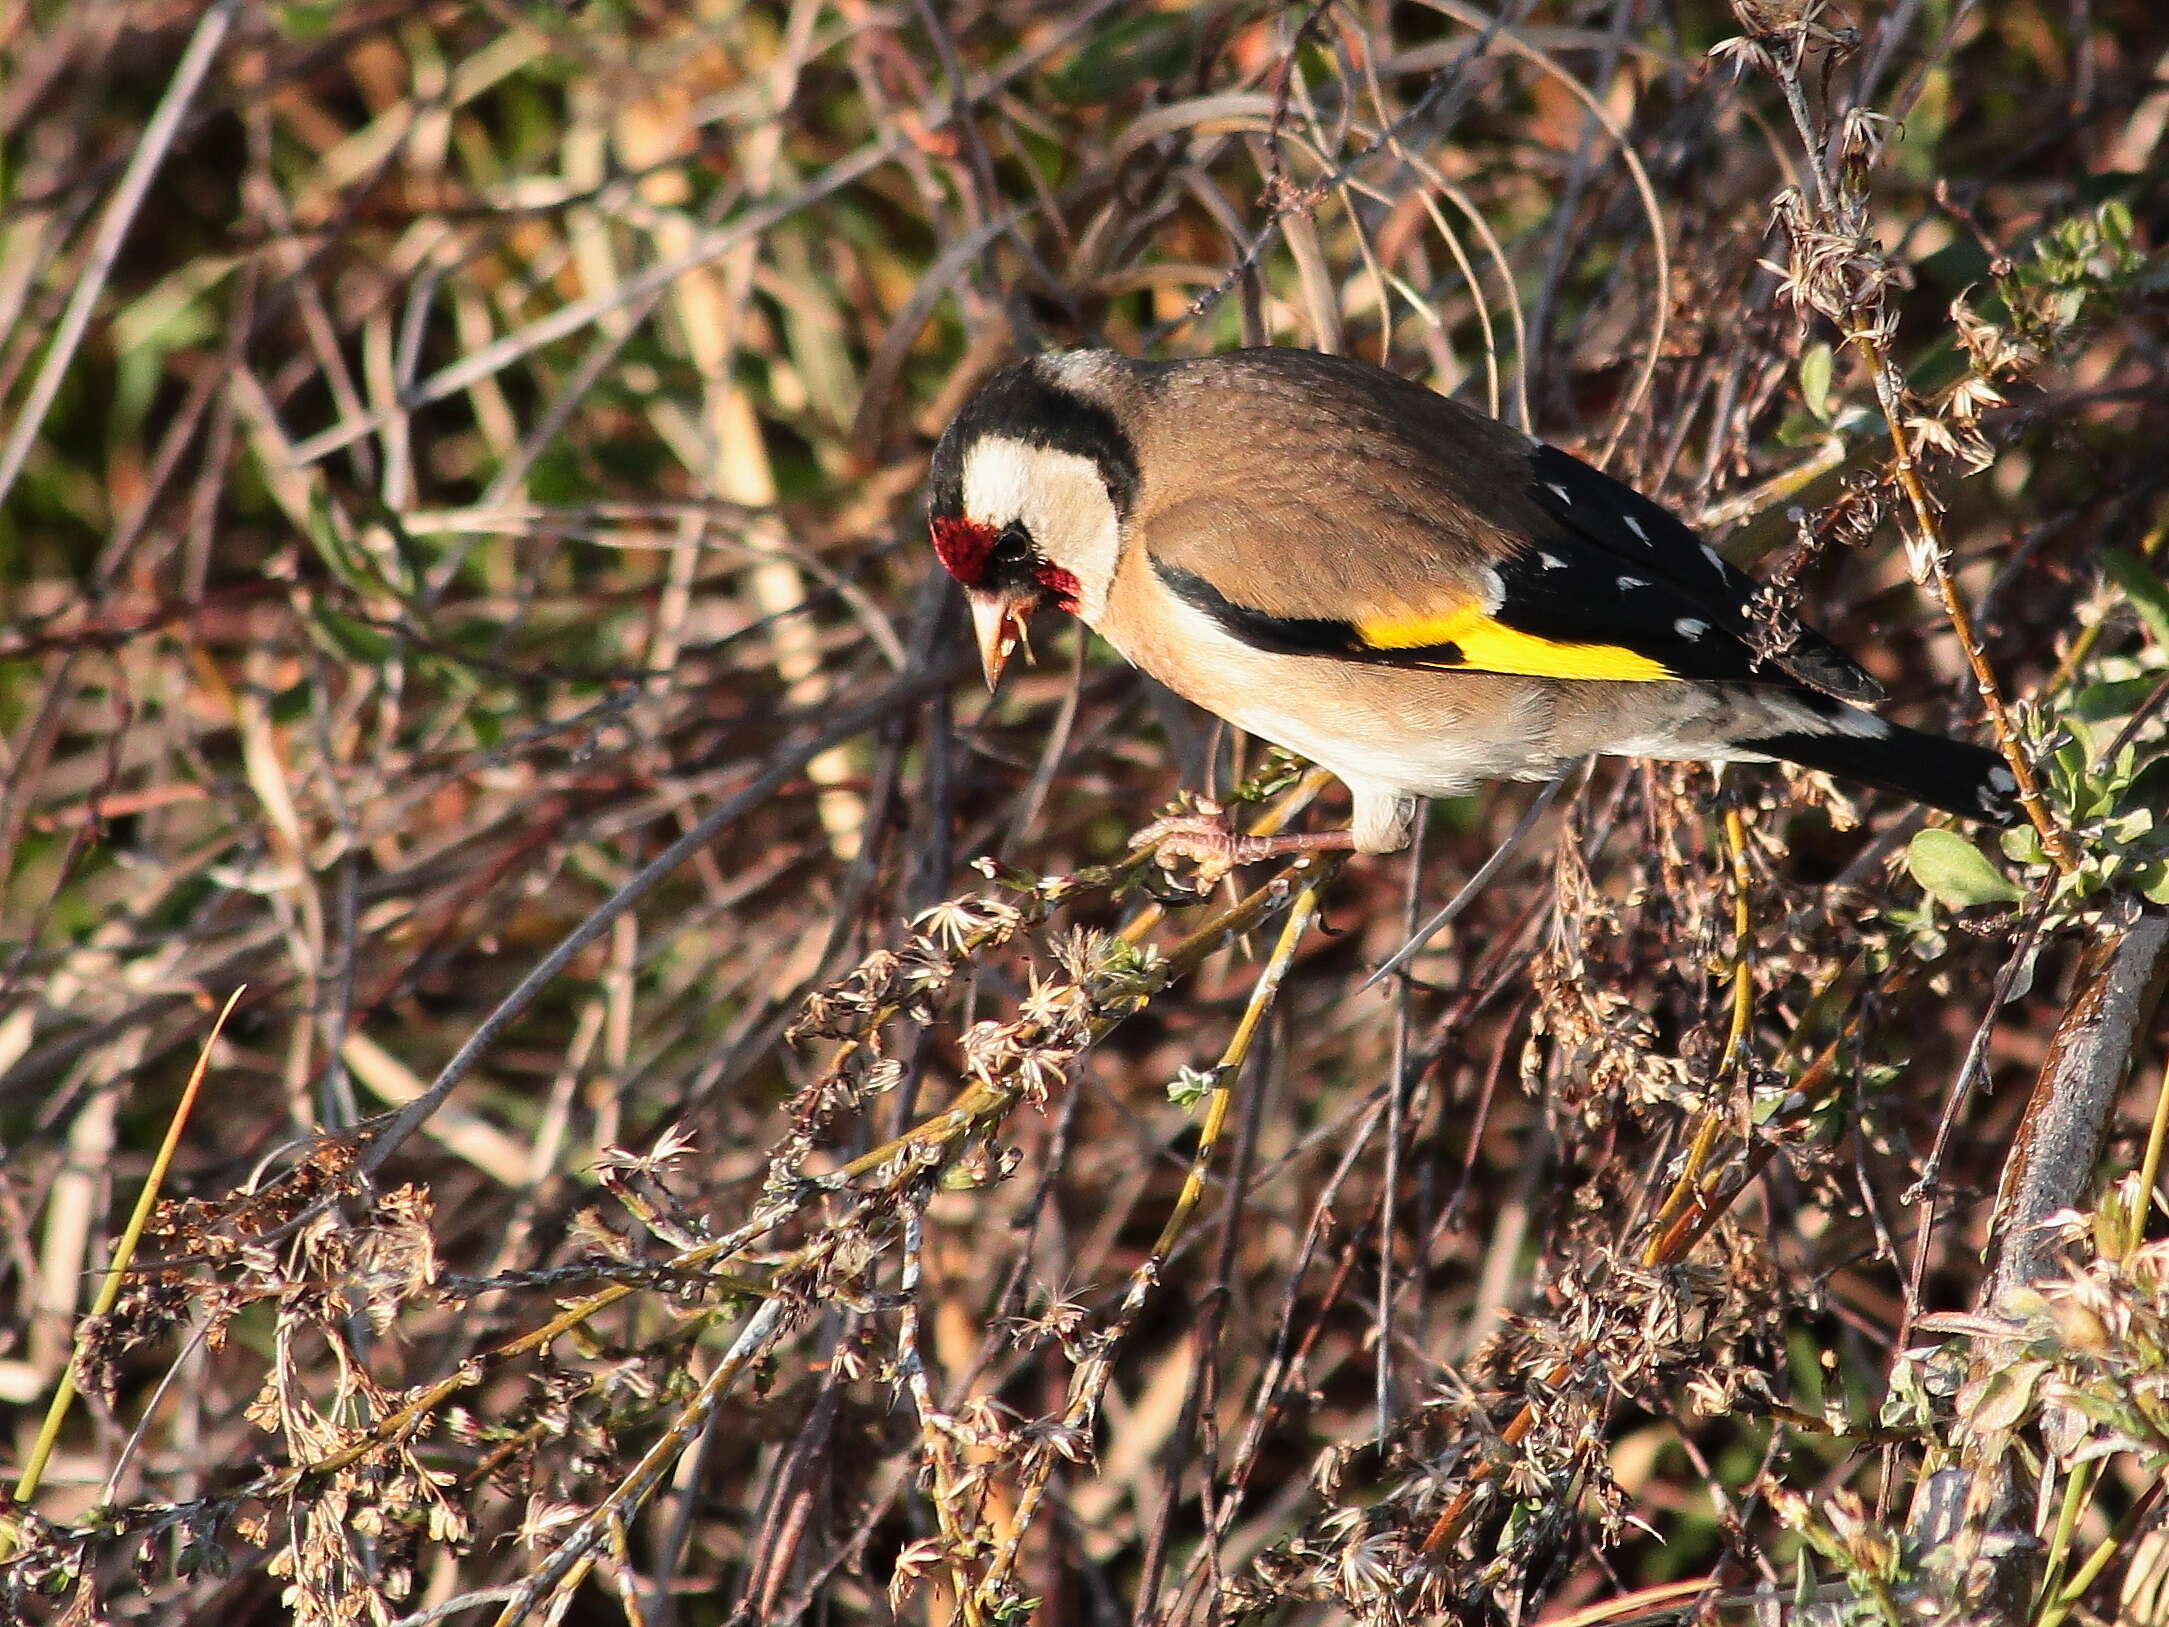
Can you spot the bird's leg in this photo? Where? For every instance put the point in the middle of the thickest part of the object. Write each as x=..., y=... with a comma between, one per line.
x=1205, y=838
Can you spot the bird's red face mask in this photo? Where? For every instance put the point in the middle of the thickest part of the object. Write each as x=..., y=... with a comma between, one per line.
x=1005, y=580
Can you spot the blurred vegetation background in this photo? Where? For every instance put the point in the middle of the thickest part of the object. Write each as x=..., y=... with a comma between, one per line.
x=463, y=581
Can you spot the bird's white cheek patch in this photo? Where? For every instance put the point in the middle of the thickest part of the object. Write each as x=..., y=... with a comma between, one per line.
x=998, y=477
x=1058, y=497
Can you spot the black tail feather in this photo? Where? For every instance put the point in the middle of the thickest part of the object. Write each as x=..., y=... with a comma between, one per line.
x=1970, y=781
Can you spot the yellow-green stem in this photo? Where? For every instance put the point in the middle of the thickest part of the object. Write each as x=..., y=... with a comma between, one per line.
x=2150, y=1162
x=2067, y=1523
x=1689, y=1182
x=1091, y=1378
x=26, y=1487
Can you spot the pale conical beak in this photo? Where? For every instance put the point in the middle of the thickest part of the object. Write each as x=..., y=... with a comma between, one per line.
x=999, y=624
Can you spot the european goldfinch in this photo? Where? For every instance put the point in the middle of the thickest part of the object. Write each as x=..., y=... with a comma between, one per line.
x=1389, y=583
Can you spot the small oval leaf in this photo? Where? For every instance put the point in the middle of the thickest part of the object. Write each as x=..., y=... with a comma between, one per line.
x=1815, y=364
x=1953, y=871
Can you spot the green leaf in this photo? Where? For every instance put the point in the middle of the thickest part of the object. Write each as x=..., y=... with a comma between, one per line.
x=1191, y=1086
x=2132, y=825
x=1815, y=364
x=2148, y=593
x=2070, y=757
x=2112, y=700
x=1802, y=429
x=305, y=21
x=2004, y=1398
x=348, y=637
x=2116, y=224
x=2152, y=883
x=1953, y=871
x=1148, y=45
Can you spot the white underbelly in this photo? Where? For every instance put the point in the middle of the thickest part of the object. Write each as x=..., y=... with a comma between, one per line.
x=1428, y=734
x=1420, y=761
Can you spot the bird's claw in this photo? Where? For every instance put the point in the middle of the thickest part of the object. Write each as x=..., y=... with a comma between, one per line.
x=1205, y=839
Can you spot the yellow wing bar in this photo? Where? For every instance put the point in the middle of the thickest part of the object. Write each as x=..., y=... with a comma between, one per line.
x=1492, y=646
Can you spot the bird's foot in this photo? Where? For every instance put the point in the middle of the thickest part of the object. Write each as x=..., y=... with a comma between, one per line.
x=1205, y=838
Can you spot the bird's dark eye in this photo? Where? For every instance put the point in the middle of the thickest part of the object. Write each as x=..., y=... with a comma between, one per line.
x=1013, y=546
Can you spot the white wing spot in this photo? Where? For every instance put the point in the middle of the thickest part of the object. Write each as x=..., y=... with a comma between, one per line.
x=2003, y=779
x=1715, y=558
x=1551, y=562
x=1559, y=492
x=1688, y=627
x=1493, y=587
x=1633, y=582
x=1635, y=526
x=1991, y=798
